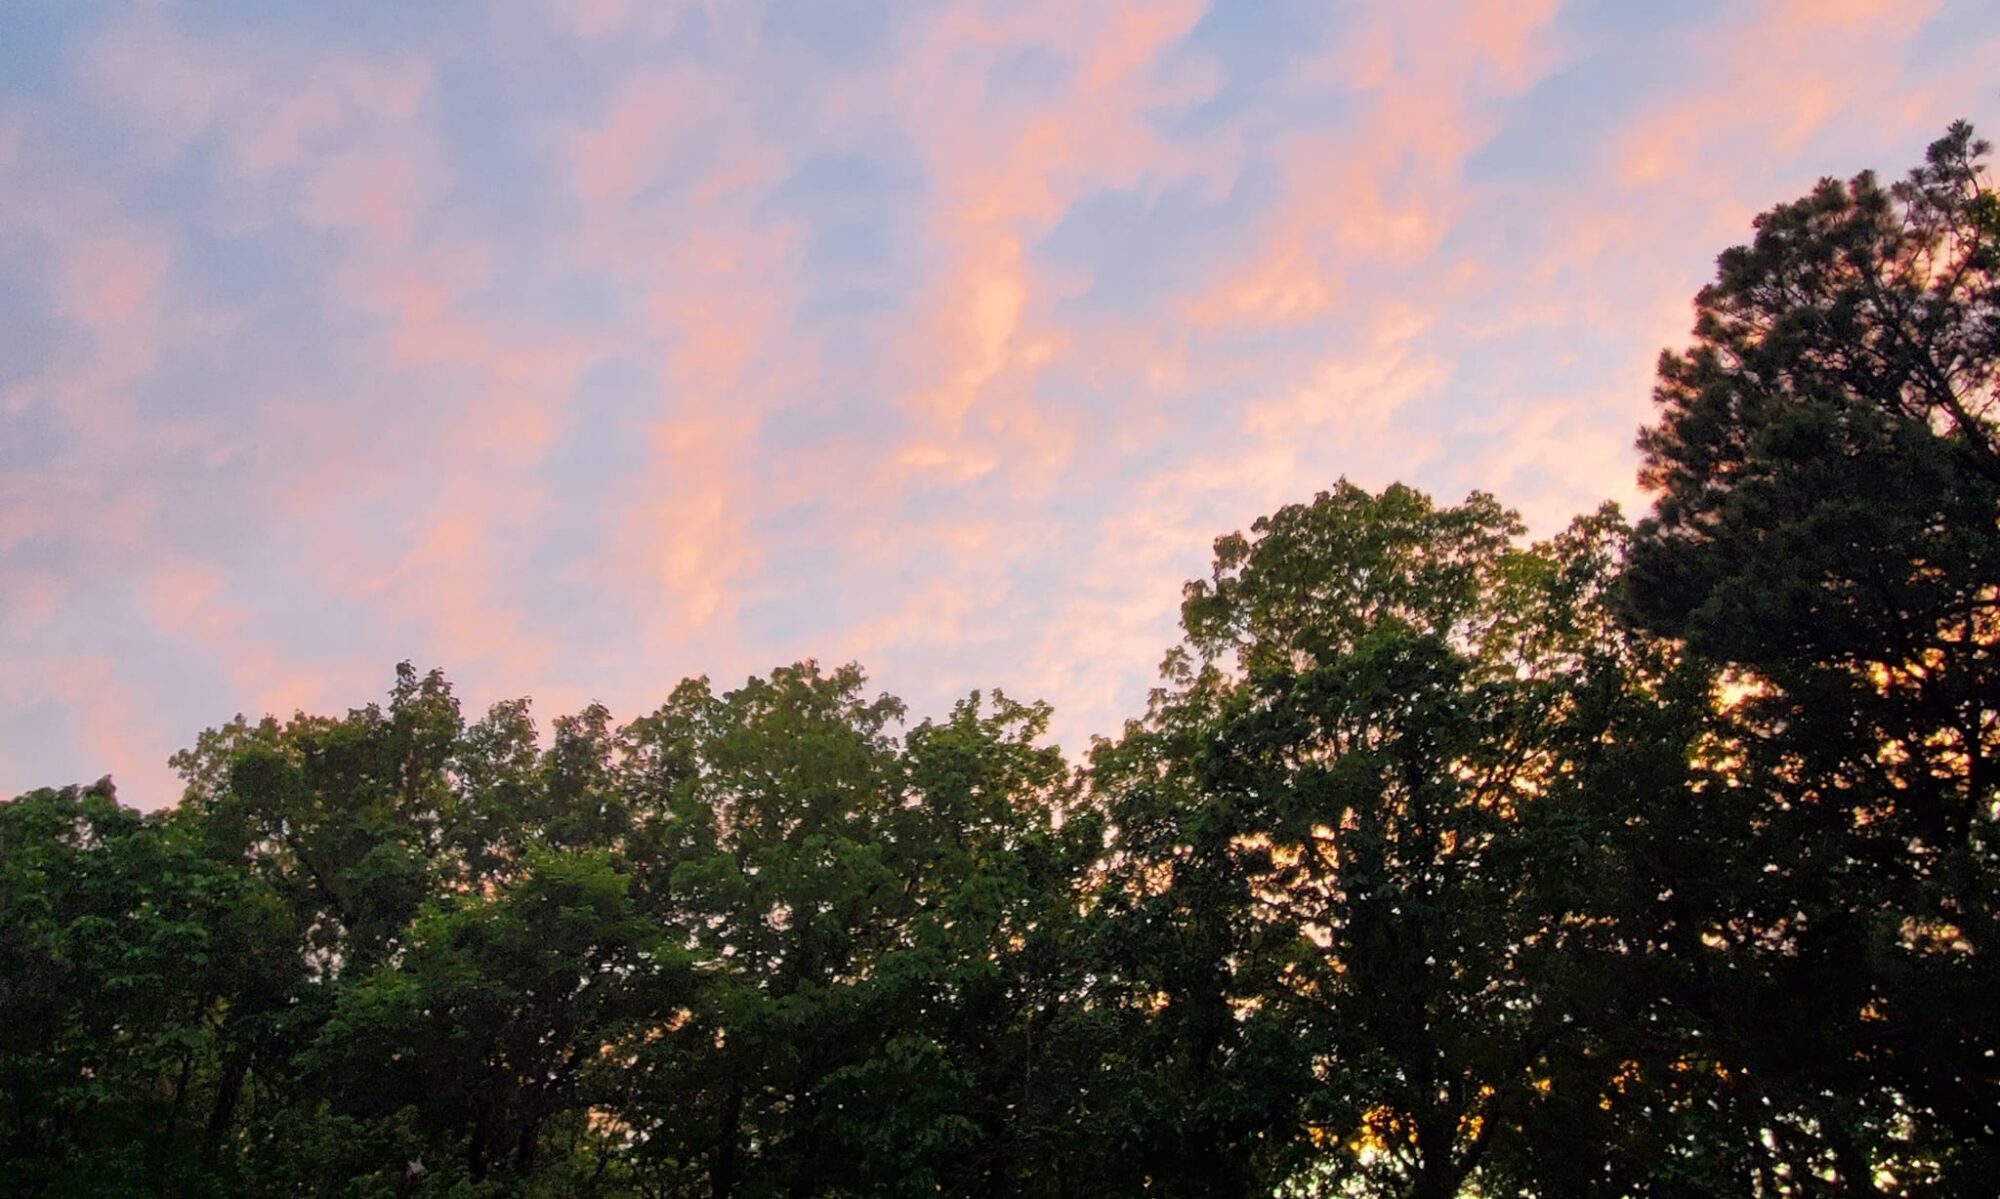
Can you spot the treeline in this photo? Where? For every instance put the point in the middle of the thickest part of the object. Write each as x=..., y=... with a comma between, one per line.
x=1654, y=861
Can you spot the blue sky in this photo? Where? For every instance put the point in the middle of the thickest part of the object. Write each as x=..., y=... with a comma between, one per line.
x=580, y=347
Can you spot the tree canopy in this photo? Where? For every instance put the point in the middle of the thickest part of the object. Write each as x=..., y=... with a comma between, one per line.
x=1651, y=861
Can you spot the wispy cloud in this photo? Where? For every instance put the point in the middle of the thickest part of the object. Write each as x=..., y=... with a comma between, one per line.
x=576, y=347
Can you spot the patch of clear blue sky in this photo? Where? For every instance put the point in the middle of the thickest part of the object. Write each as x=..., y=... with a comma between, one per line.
x=1254, y=43
x=31, y=435
x=848, y=34
x=1631, y=21
x=35, y=41
x=1138, y=244
x=29, y=335
x=504, y=172
x=373, y=25
x=1558, y=127
x=1958, y=28
x=858, y=208
x=605, y=435
x=1619, y=55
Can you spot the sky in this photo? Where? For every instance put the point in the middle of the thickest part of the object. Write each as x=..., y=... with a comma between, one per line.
x=579, y=347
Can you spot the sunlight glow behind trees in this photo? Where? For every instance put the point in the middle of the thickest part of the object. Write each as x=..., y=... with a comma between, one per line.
x=1651, y=861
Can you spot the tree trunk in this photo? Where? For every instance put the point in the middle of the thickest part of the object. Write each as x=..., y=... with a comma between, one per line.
x=722, y=1176
x=228, y=1090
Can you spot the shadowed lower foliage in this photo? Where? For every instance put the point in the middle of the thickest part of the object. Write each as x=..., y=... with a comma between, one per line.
x=1654, y=862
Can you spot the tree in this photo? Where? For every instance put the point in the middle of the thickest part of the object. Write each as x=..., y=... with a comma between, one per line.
x=759, y=839
x=136, y=973
x=986, y=989
x=1328, y=832
x=1443, y=862
x=882, y=930
x=345, y=817
x=510, y=1012
x=1828, y=482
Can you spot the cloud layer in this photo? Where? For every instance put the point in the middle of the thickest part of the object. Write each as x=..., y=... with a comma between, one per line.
x=578, y=347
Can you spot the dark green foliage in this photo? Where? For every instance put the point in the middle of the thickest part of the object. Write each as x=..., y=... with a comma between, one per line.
x=1443, y=863
x=1830, y=478
x=1395, y=717
x=138, y=976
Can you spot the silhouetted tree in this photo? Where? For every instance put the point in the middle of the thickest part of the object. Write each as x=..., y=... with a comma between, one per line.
x=1829, y=480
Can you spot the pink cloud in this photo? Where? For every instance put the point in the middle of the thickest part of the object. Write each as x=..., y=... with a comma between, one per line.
x=1010, y=466
x=655, y=121
x=104, y=281
x=992, y=332
x=112, y=725
x=1781, y=74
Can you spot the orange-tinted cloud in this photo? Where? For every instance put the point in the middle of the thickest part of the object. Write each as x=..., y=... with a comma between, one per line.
x=590, y=345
